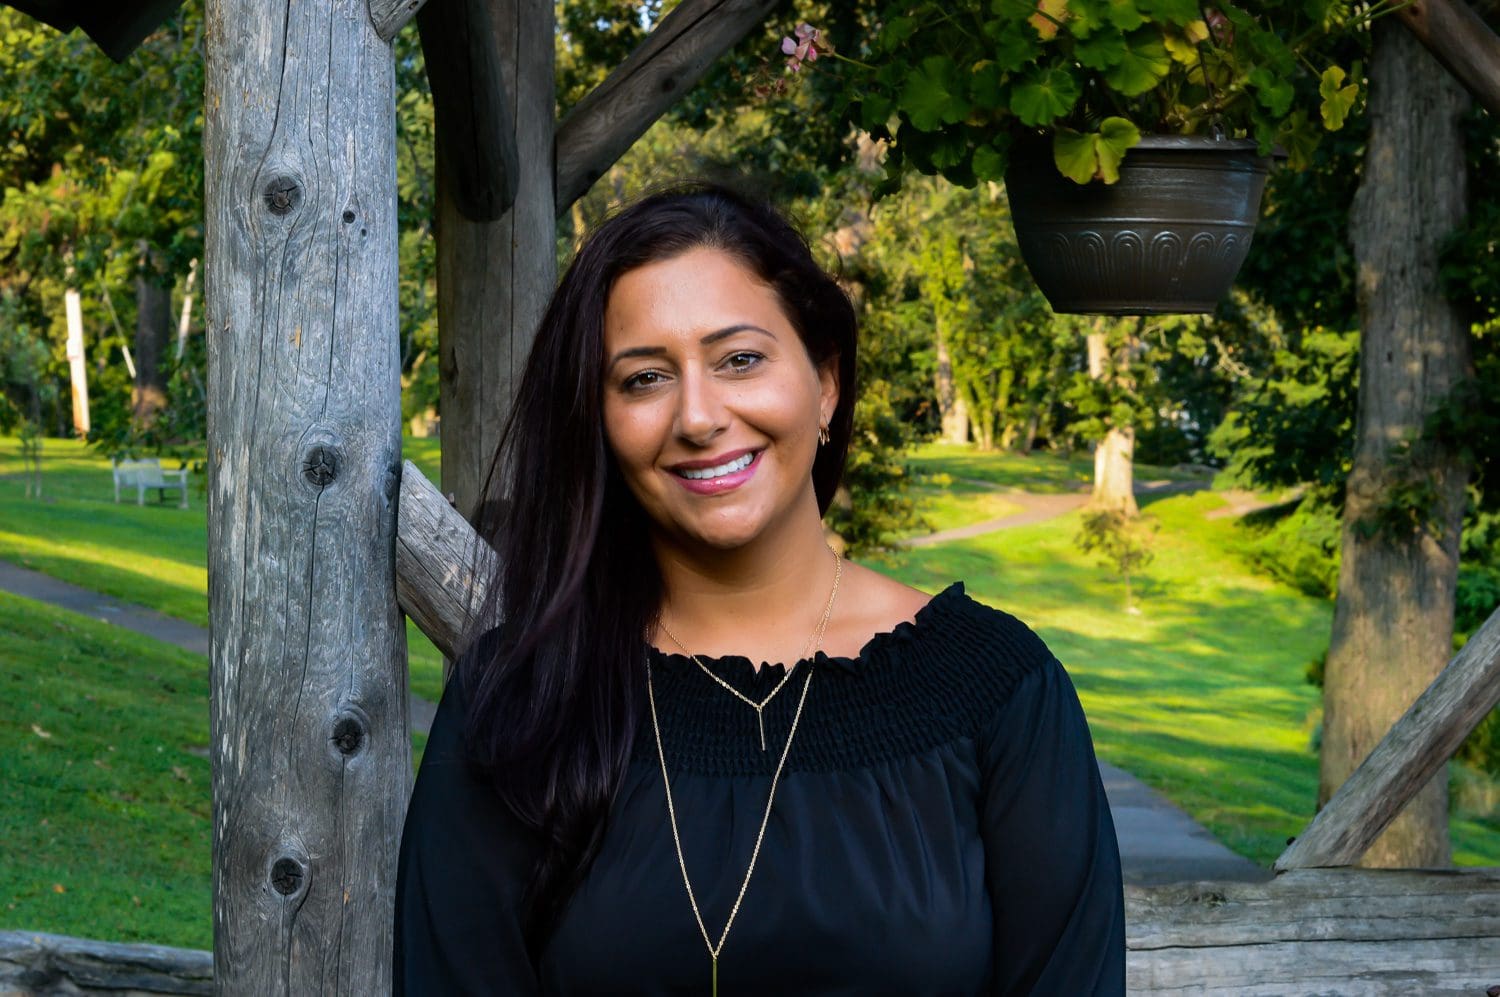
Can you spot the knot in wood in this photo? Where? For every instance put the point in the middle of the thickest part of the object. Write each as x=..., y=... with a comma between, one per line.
x=283, y=194
x=287, y=875
x=348, y=217
x=348, y=735
x=320, y=466
x=668, y=84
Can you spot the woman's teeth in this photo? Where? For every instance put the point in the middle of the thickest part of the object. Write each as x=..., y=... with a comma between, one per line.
x=738, y=464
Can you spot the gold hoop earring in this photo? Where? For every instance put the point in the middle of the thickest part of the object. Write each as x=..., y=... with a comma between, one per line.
x=822, y=435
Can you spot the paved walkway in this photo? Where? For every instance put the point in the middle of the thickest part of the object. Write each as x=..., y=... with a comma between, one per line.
x=1159, y=843
x=1037, y=507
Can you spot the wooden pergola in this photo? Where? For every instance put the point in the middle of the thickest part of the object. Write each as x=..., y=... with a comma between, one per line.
x=320, y=537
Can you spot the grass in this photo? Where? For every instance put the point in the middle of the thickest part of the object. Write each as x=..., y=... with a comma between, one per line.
x=153, y=555
x=104, y=780
x=1202, y=694
x=1036, y=472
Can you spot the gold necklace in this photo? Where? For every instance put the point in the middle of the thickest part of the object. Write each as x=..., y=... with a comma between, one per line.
x=714, y=950
x=817, y=634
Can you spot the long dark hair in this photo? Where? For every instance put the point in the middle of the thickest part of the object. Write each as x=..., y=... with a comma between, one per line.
x=553, y=693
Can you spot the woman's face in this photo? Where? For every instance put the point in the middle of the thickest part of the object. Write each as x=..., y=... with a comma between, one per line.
x=711, y=404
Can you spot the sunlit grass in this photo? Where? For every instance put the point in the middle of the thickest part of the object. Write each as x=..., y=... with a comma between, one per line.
x=1202, y=693
x=153, y=555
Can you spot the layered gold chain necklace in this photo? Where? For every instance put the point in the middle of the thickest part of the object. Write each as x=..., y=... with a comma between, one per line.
x=807, y=648
x=816, y=641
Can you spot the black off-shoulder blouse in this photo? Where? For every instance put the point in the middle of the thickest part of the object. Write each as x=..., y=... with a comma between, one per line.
x=940, y=828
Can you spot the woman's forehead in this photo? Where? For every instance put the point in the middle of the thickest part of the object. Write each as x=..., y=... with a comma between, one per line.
x=689, y=295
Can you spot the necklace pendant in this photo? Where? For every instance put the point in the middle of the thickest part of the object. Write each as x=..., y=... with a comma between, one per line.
x=716, y=977
x=760, y=719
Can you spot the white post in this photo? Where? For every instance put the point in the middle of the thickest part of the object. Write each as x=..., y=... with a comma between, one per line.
x=79, y=373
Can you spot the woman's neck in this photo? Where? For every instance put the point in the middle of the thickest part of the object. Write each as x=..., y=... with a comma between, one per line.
x=763, y=600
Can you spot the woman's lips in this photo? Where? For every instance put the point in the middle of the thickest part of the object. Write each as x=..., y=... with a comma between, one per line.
x=724, y=482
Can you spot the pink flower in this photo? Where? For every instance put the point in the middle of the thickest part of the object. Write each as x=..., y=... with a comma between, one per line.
x=1219, y=27
x=801, y=48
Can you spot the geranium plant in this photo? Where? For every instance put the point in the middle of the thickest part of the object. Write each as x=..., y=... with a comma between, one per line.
x=954, y=84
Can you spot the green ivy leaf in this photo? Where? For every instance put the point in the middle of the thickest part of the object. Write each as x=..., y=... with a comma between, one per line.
x=1337, y=99
x=1044, y=95
x=1143, y=65
x=1087, y=16
x=933, y=95
x=1101, y=50
x=1274, y=92
x=1086, y=156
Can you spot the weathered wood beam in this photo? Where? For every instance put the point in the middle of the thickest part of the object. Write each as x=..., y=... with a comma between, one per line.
x=442, y=567
x=494, y=278
x=473, y=116
x=1461, y=41
x=33, y=962
x=1415, y=749
x=308, y=722
x=1317, y=931
x=674, y=56
x=390, y=16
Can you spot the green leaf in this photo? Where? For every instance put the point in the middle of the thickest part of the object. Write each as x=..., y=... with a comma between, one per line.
x=1143, y=65
x=1083, y=156
x=875, y=111
x=933, y=95
x=986, y=86
x=1015, y=50
x=1337, y=99
x=1178, y=12
x=1102, y=50
x=1125, y=15
x=990, y=160
x=1044, y=95
x=1274, y=92
x=896, y=31
x=1086, y=16
x=1074, y=154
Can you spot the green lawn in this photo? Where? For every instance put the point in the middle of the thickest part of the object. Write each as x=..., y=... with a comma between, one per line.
x=153, y=556
x=104, y=780
x=1202, y=694
x=1036, y=472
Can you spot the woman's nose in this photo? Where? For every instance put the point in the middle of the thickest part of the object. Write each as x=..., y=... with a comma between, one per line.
x=700, y=411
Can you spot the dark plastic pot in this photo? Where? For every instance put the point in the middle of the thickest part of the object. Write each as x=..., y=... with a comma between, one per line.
x=1168, y=237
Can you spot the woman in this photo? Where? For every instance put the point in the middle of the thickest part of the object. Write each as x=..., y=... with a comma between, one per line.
x=704, y=751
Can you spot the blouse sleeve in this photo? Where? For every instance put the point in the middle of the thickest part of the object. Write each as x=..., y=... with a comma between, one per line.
x=1052, y=865
x=465, y=861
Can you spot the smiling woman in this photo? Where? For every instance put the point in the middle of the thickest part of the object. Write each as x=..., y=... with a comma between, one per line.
x=929, y=819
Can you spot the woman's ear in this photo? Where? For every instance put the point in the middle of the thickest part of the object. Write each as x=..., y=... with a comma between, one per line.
x=828, y=388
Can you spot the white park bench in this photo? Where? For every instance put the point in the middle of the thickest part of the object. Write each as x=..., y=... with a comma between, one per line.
x=148, y=473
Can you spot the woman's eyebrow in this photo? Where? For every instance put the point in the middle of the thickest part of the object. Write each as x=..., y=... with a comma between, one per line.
x=708, y=340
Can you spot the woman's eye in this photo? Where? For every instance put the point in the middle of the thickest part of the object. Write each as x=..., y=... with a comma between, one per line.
x=642, y=380
x=743, y=360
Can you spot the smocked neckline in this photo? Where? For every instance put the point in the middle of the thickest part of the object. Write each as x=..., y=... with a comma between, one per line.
x=872, y=653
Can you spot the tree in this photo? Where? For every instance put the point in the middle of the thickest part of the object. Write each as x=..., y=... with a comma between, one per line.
x=1393, y=618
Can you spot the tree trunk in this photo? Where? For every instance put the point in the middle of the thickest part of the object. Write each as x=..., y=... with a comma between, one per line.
x=494, y=278
x=308, y=717
x=153, y=331
x=1114, y=468
x=951, y=407
x=1393, y=619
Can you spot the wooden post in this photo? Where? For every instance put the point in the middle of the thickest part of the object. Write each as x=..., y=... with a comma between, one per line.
x=308, y=717
x=1406, y=759
x=494, y=277
x=1461, y=41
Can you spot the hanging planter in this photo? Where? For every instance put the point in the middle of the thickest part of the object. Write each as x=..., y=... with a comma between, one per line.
x=1167, y=237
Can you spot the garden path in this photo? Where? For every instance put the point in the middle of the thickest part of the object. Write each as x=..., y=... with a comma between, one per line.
x=1159, y=842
